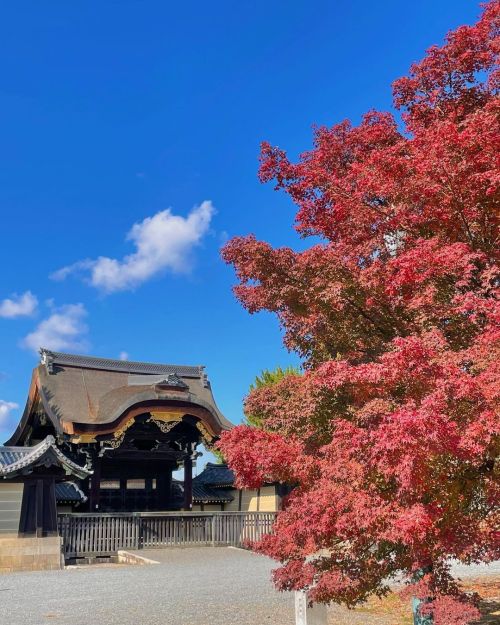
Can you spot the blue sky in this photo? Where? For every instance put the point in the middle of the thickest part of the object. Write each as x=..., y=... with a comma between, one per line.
x=115, y=112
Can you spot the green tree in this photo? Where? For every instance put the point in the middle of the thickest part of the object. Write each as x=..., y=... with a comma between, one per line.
x=266, y=378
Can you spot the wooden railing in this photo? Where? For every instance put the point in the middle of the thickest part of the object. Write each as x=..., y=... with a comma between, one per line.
x=86, y=535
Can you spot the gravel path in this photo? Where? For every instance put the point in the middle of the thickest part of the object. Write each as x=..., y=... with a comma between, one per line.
x=199, y=586
x=190, y=587
x=464, y=572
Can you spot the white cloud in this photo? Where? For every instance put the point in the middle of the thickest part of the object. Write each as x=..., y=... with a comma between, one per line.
x=18, y=305
x=163, y=241
x=123, y=356
x=63, y=329
x=5, y=409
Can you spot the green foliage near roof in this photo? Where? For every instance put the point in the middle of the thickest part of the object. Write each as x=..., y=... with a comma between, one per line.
x=267, y=378
x=218, y=456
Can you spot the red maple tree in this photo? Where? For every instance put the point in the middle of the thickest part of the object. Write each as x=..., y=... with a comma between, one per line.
x=391, y=435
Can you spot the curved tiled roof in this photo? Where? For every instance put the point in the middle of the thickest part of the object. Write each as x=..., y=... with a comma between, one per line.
x=218, y=475
x=204, y=494
x=89, y=394
x=69, y=493
x=14, y=460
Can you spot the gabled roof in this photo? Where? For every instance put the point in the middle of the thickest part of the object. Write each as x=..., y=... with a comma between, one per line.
x=217, y=475
x=16, y=461
x=88, y=394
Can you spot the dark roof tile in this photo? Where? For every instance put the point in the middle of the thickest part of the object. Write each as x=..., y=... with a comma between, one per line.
x=202, y=493
x=215, y=475
x=68, y=492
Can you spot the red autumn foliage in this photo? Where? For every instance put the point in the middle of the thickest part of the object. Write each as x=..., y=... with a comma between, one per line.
x=391, y=436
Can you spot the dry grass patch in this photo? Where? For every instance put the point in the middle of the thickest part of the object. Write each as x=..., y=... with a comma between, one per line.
x=398, y=611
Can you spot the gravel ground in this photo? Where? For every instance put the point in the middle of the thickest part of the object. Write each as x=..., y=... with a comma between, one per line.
x=464, y=572
x=202, y=586
x=189, y=587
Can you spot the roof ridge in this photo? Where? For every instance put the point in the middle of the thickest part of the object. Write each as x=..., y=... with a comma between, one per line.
x=40, y=447
x=51, y=358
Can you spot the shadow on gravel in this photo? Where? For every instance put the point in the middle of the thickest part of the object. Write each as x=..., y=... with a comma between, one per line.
x=491, y=613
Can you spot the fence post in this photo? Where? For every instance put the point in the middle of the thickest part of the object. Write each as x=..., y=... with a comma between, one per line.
x=140, y=533
x=213, y=530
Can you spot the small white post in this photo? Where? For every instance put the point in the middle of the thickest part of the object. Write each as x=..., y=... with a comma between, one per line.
x=305, y=615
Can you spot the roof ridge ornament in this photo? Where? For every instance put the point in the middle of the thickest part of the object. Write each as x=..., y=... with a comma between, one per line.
x=172, y=380
x=204, y=377
x=47, y=359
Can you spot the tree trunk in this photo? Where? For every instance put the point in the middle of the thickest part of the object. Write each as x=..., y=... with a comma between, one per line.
x=417, y=604
x=418, y=618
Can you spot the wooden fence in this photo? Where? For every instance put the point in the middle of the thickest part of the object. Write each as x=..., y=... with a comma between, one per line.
x=87, y=535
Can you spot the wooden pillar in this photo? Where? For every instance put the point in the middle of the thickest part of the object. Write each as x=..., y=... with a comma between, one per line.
x=38, y=508
x=95, y=484
x=123, y=495
x=188, y=484
x=164, y=488
x=50, y=508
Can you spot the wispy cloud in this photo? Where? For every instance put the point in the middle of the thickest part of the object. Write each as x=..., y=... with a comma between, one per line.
x=63, y=329
x=163, y=241
x=6, y=408
x=123, y=356
x=16, y=305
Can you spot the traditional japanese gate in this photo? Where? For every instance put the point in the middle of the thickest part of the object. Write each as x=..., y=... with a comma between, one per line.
x=89, y=535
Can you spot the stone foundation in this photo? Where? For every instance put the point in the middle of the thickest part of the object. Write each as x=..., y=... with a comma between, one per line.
x=30, y=554
x=127, y=557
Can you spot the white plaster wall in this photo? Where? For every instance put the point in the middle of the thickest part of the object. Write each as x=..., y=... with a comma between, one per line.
x=11, y=496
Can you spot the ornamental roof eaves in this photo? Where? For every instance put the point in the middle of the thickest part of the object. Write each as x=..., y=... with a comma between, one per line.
x=15, y=459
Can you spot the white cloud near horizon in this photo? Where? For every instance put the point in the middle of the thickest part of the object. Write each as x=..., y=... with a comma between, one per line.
x=123, y=356
x=22, y=305
x=63, y=329
x=6, y=408
x=163, y=241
